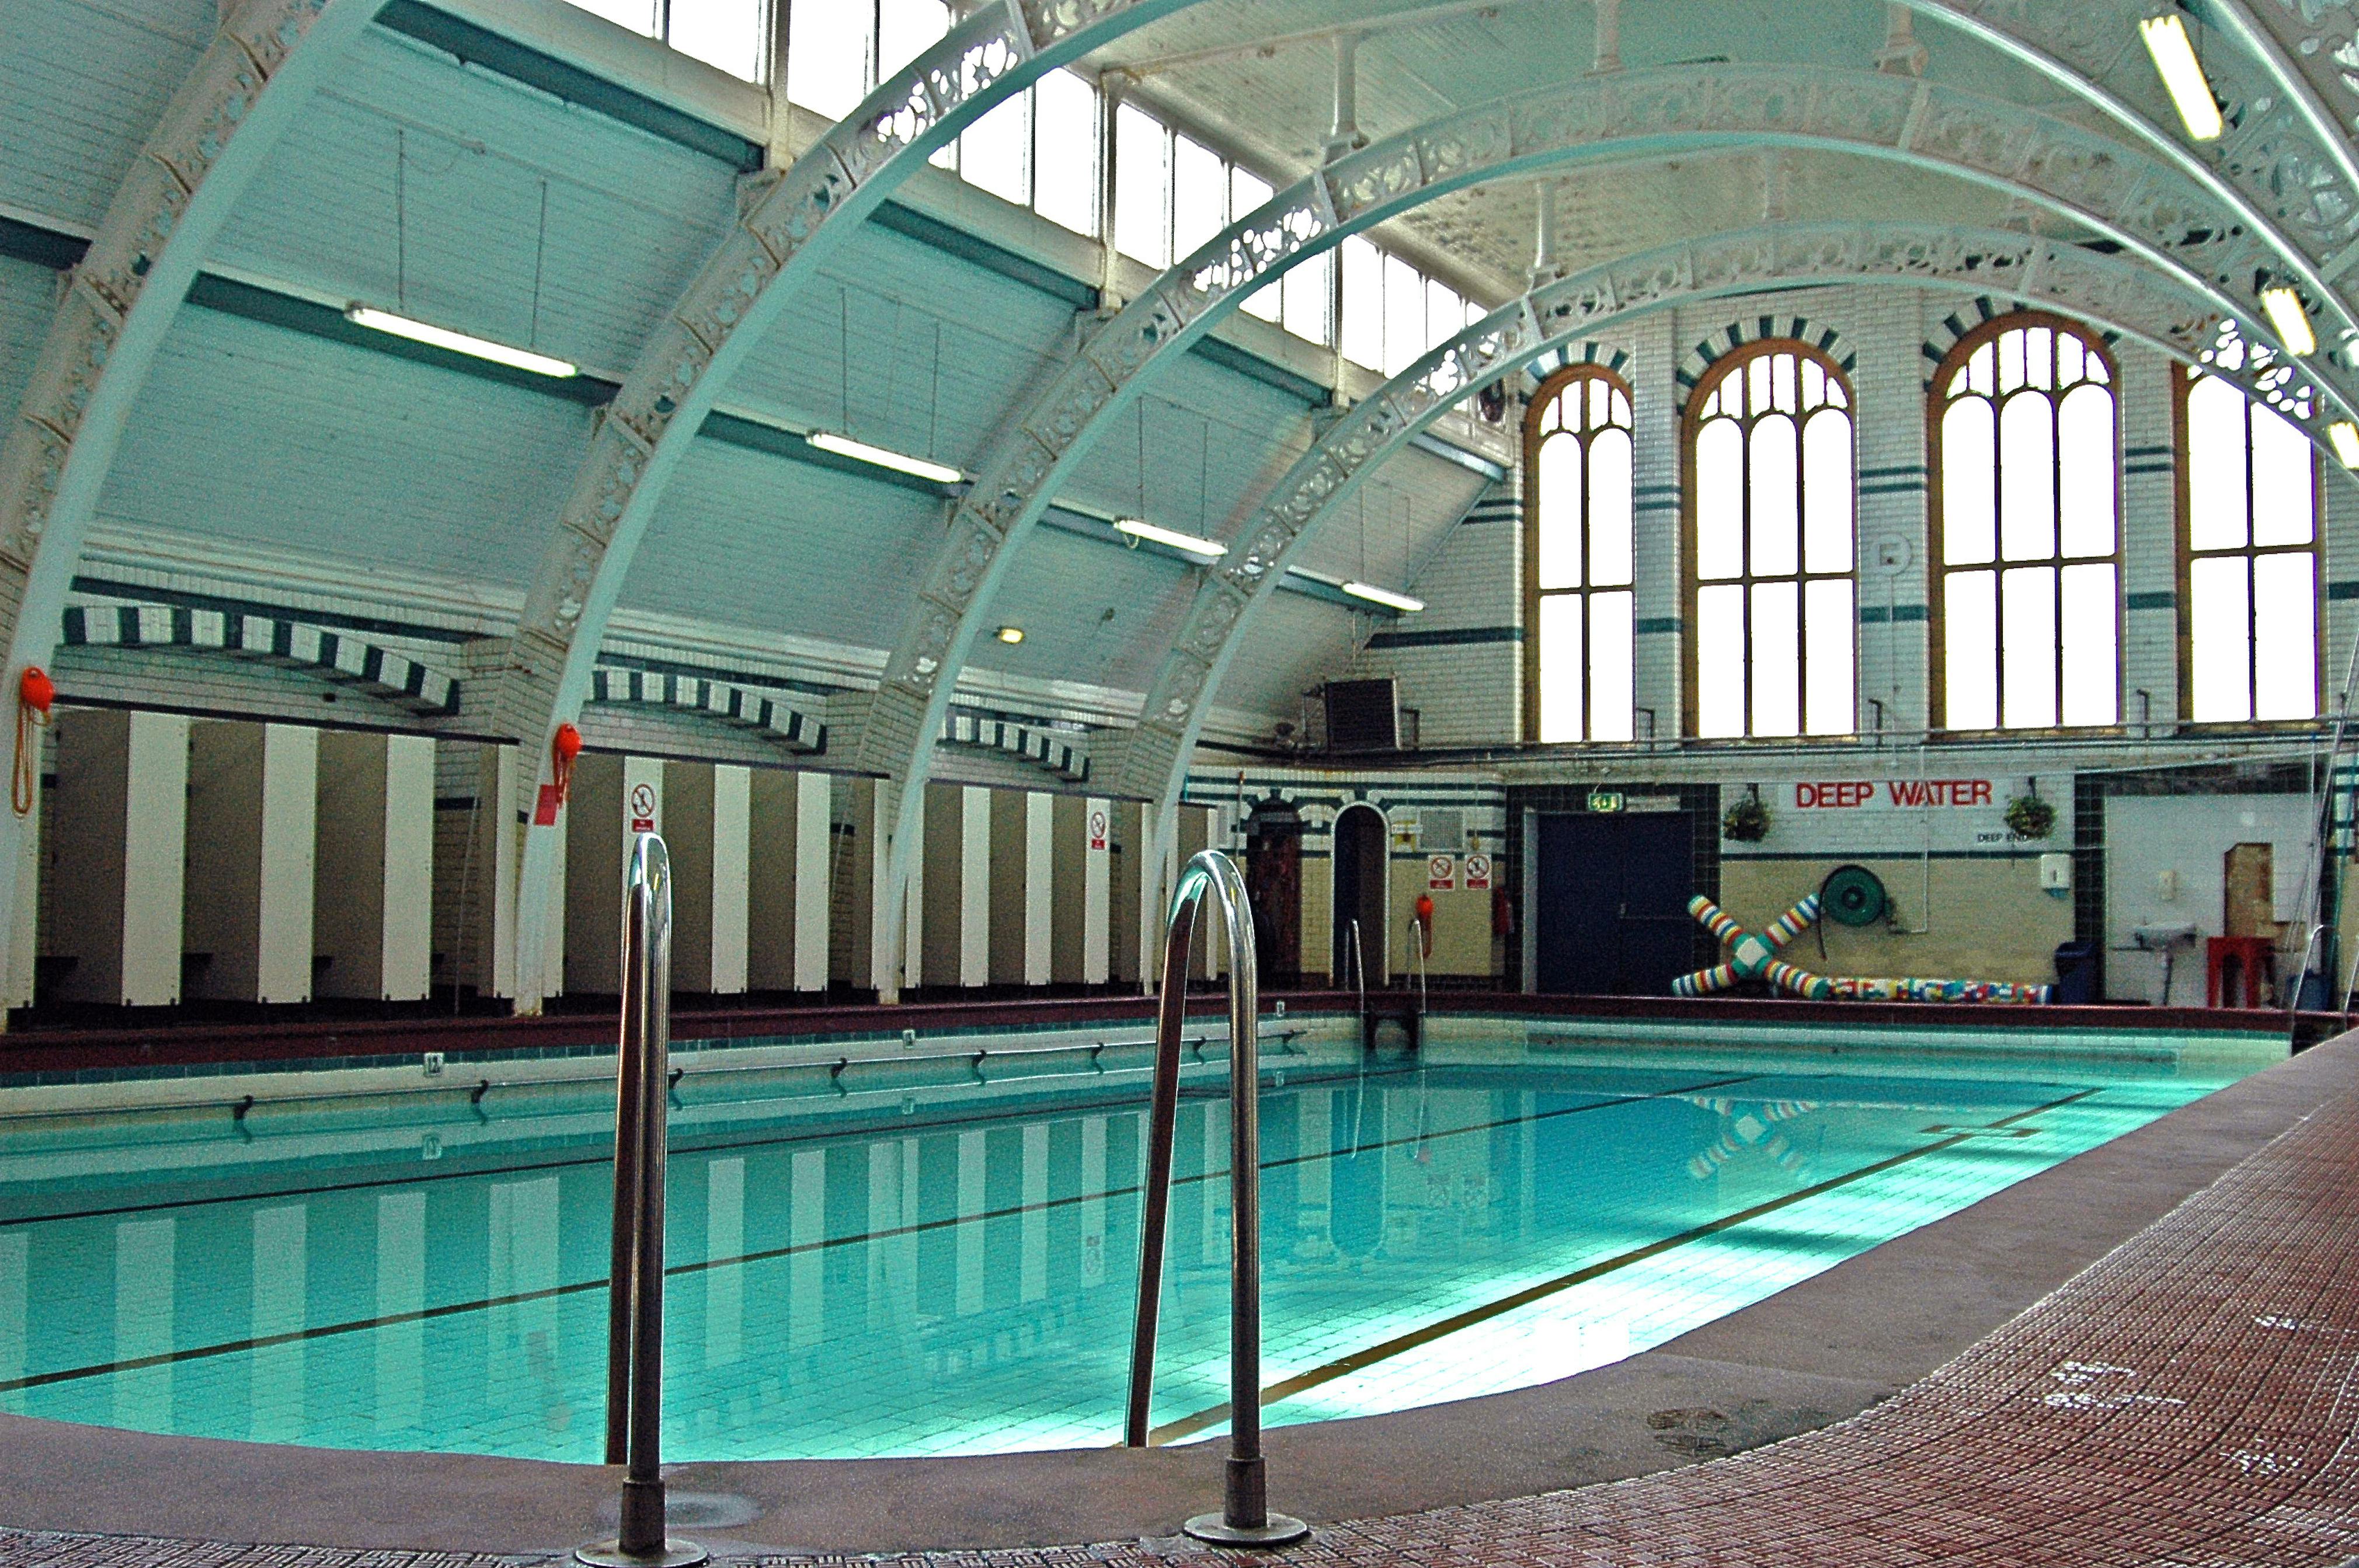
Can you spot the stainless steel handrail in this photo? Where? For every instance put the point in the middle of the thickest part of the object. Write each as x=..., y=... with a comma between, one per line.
x=1360, y=965
x=1245, y=1518
x=636, y=1284
x=1417, y=959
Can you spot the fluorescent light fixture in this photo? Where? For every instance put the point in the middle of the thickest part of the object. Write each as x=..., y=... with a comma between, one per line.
x=457, y=342
x=1187, y=543
x=2290, y=321
x=2343, y=436
x=1384, y=596
x=1011, y=635
x=2183, y=75
x=883, y=457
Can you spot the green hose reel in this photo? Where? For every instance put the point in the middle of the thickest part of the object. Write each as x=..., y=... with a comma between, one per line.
x=1853, y=895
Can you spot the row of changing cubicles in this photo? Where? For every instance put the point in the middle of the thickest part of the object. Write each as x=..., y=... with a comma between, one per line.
x=202, y=860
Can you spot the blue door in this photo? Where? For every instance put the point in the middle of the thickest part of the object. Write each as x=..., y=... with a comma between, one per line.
x=1611, y=903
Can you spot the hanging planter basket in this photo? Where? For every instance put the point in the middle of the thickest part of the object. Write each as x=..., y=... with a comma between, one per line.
x=2029, y=816
x=1746, y=822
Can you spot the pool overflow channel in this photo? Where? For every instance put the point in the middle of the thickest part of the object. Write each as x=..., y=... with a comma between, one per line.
x=634, y=1311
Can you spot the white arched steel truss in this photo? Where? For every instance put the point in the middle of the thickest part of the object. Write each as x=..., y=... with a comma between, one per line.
x=2310, y=50
x=2275, y=169
x=2158, y=212
x=2125, y=297
x=788, y=226
x=213, y=137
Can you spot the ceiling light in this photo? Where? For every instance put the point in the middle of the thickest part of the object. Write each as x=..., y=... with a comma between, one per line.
x=1188, y=544
x=2344, y=438
x=1011, y=635
x=457, y=342
x=2291, y=321
x=2183, y=75
x=1384, y=596
x=883, y=457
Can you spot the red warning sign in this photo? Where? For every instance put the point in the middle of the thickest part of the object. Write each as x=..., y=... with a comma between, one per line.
x=1478, y=872
x=1440, y=873
x=1097, y=830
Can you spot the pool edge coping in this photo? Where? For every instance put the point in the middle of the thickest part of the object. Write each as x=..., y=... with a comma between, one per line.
x=78, y=1477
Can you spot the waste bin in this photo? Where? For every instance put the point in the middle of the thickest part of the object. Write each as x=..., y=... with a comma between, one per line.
x=2076, y=974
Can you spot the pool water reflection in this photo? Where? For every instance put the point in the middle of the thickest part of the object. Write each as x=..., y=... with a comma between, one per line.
x=959, y=1281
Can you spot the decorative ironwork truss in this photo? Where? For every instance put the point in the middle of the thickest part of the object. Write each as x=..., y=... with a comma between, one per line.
x=788, y=224
x=2154, y=211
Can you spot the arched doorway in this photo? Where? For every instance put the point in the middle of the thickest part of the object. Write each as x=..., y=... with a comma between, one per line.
x=1360, y=862
x=1274, y=887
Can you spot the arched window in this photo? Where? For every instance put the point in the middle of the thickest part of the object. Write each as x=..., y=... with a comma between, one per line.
x=2027, y=528
x=2248, y=561
x=1576, y=468
x=1773, y=547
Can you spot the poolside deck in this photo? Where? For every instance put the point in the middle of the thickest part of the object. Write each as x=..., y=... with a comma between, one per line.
x=2187, y=1396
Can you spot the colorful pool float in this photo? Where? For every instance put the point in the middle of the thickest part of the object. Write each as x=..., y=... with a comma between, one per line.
x=1754, y=956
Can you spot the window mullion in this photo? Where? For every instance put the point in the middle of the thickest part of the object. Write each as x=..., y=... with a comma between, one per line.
x=2056, y=543
x=2252, y=625
x=2252, y=579
x=1745, y=566
x=1998, y=561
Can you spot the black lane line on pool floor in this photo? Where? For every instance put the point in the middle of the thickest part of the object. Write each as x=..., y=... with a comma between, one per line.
x=1358, y=1360
x=1093, y=1106
x=453, y=1309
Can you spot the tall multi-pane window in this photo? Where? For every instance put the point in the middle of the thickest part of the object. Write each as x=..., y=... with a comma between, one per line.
x=1362, y=328
x=1577, y=466
x=2029, y=532
x=1391, y=312
x=1065, y=136
x=1041, y=149
x=1773, y=547
x=1142, y=187
x=729, y=34
x=2249, y=554
x=996, y=152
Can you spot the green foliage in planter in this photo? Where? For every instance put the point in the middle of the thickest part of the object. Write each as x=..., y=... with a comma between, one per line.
x=2029, y=816
x=1746, y=822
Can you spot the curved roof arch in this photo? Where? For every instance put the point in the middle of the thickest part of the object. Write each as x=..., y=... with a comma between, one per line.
x=2160, y=216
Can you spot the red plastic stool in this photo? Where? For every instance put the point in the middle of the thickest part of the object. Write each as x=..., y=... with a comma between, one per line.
x=2251, y=956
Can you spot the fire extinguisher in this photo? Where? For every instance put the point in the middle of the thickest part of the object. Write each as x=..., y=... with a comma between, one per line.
x=35, y=692
x=1503, y=914
x=563, y=750
x=1425, y=922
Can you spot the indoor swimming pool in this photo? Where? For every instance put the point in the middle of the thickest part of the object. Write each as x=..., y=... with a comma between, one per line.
x=951, y=1273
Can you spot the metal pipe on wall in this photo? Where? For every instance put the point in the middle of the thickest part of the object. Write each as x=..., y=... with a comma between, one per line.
x=634, y=1288
x=1245, y=1518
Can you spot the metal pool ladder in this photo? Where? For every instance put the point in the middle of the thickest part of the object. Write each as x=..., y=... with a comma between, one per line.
x=1245, y=1518
x=635, y=1285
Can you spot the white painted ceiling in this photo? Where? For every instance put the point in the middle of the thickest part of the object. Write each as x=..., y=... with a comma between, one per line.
x=466, y=198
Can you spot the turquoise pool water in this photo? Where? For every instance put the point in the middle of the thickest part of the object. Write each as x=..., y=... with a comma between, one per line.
x=954, y=1277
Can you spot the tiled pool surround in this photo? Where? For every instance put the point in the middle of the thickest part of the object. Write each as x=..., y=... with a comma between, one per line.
x=2187, y=1399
